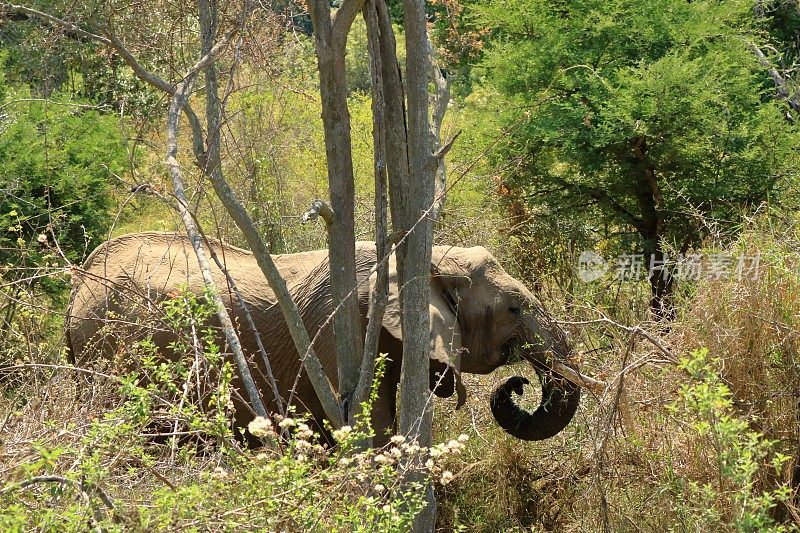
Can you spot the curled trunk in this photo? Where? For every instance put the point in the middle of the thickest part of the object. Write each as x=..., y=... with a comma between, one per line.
x=560, y=399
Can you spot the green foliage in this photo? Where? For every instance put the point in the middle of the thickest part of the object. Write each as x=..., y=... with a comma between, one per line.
x=207, y=481
x=281, y=165
x=57, y=160
x=52, y=62
x=735, y=452
x=782, y=20
x=631, y=115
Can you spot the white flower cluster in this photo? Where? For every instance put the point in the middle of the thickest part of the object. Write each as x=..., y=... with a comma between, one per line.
x=453, y=446
x=383, y=459
x=404, y=447
x=287, y=423
x=342, y=433
x=260, y=427
x=447, y=477
x=304, y=432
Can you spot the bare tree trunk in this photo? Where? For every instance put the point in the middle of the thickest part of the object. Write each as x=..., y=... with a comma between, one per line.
x=396, y=132
x=330, y=36
x=380, y=296
x=414, y=415
x=411, y=168
x=415, y=409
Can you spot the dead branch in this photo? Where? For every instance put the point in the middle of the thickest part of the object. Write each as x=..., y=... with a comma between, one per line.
x=84, y=488
x=778, y=80
x=632, y=331
x=569, y=373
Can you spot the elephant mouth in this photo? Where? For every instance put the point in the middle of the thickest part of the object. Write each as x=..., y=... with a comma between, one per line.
x=511, y=351
x=517, y=349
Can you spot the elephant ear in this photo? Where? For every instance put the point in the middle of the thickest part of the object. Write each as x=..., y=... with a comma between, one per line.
x=445, y=349
x=445, y=346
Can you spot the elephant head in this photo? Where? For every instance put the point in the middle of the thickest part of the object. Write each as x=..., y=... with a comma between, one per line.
x=481, y=319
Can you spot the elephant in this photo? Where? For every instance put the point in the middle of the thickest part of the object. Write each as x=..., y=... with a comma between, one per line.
x=481, y=318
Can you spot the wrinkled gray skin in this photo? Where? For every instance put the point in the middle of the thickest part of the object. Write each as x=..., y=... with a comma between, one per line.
x=481, y=318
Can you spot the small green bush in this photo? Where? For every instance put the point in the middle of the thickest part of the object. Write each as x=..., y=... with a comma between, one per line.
x=733, y=453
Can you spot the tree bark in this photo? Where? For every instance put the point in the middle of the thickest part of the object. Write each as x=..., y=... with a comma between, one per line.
x=415, y=407
x=380, y=296
x=330, y=37
x=651, y=229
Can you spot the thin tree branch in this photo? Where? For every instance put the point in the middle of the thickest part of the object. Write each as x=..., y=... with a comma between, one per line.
x=84, y=488
x=177, y=102
x=254, y=329
x=142, y=73
x=343, y=20
x=55, y=21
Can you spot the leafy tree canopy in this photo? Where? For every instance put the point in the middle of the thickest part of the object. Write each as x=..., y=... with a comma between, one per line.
x=651, y=116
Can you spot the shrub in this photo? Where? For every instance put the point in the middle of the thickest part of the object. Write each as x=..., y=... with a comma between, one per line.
x=151, y=451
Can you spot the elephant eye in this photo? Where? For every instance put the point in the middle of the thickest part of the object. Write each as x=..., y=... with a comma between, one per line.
x=514, y=310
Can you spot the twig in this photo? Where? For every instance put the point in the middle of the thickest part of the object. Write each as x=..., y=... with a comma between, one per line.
x=83, y=488
x=152, y=470
x=251, y=323
x=632, y=331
